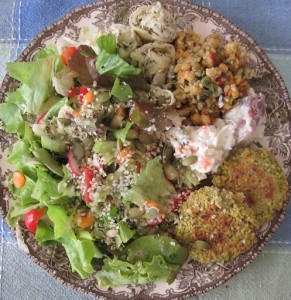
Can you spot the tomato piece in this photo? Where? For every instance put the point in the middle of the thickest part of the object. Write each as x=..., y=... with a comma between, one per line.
x=67, y=53
x=88, y=176
x=73, y=92
x=32, y=217
x=83, y=90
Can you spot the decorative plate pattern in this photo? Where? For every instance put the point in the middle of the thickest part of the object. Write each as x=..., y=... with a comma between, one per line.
x=194, y=278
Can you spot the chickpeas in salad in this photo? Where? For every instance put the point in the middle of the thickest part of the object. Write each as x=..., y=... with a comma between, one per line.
x=126, y=129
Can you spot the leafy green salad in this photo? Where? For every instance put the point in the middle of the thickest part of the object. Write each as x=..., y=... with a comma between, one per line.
x=92, y=170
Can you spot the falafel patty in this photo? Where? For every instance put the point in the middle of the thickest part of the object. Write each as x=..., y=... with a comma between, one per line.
x=256, y=173
x=216, y=225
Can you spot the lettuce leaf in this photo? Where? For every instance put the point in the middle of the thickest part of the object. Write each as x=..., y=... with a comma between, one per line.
x=145, y=247
x=25, y=193
x=112, y=64
x=44, y=233
x=16, y=212
x=104, y=146
x=20, y=156
x=121, y=90
x=125, y=234
x=79, y=251
x=62, y=222
x=107, y=150
x=35, y=77
x=48, y=51
x=54, y=110
x=120, y=134
x=66, y=186
x=117, y=272
x=80, y=254
x=47, y=191
x=10, y=114
x=14, y=97
x=46, y=159
x=107, y=43
x=149, y=184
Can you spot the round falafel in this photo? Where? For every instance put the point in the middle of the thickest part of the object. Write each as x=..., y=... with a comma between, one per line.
x=256, y=173
x=216, y=225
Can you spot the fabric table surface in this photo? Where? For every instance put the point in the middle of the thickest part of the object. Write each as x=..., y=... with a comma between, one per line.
x=269, y=23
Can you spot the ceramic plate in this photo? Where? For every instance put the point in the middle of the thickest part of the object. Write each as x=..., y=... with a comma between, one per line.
x=194, y=278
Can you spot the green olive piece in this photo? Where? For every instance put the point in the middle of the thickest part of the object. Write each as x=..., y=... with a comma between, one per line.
x=201, y=245
x=188, y=161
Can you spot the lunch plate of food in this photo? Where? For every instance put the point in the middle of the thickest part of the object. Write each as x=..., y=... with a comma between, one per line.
x=145, y=149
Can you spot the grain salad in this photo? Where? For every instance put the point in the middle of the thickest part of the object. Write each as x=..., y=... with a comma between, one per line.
x=118, y=140
x=212, y=75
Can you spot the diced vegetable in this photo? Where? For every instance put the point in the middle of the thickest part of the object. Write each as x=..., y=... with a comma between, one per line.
x=67, y=54
x=18, y=179
x=83, y=220
x=32, y=217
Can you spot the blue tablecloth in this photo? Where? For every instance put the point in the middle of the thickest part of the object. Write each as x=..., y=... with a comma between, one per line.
x=268, y=22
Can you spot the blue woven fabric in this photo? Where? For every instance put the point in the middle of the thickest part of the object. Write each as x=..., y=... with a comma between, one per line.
x=269, y=23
